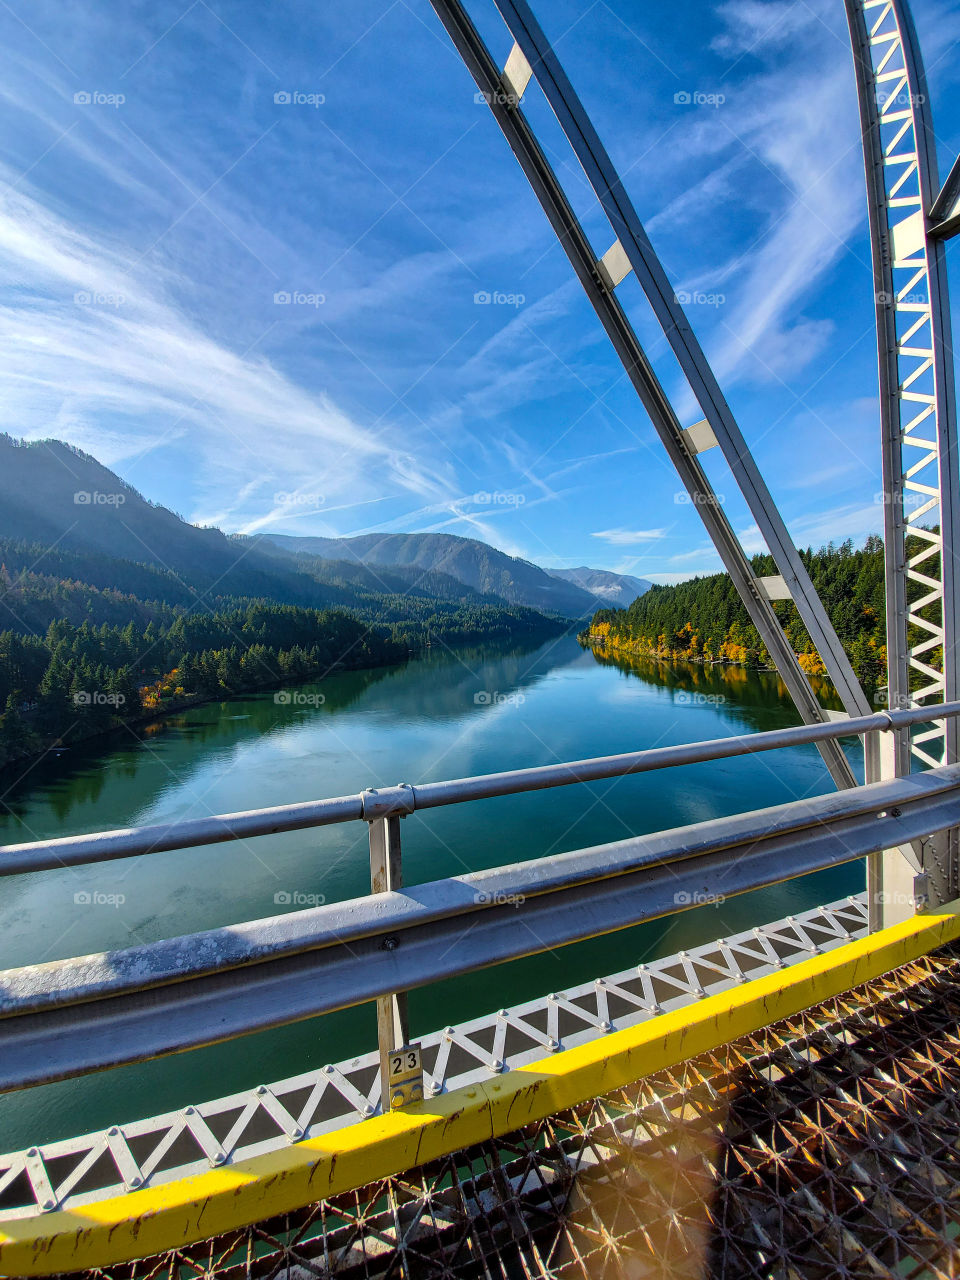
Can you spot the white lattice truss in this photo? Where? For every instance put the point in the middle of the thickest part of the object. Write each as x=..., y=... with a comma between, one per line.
x=918, y=399
x=78, y=1171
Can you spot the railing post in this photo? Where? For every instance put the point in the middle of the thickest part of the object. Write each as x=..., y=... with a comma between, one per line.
x=401, y=1071
x=896, y=886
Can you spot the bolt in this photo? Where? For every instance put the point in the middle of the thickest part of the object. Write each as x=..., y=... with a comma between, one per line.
x=136, y=1182
x=553, y=1044
x=895, y=812
x=189, y=1111
x=496, y=1065
x=261, y=1089
x=219, y=1158
x=606, y=1026
x=296, y=1133
x=48, y=1205
x=328, y=1069
x=112, y=1133
x=391, y=943
x=33, y=1152
x=502, y=1014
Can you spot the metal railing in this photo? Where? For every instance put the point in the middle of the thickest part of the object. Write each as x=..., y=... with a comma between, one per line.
x=70, y=1017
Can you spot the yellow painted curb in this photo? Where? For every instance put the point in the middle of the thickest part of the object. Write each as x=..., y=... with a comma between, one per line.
x=178, y=1213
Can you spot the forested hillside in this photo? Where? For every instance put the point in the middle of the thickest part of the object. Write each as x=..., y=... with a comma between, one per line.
x=703, y=620
x=77, y=681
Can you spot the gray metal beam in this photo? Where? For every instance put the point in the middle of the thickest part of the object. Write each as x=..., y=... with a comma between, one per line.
x=918, y=412
x=626, y=225
x=72, y=1017
x=945, y=210
x=383, y=802
x=682, y=454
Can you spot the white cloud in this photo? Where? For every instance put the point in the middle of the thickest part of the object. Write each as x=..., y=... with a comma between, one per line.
x=629, y=537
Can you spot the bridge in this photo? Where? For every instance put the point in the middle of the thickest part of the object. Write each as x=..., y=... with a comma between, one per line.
x=778, y=1102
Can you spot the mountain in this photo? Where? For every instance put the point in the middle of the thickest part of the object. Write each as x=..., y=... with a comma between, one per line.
x=477, y=565
x=98, y=530
x=612, y=588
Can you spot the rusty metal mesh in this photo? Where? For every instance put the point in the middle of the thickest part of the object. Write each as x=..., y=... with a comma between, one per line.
x=825, y=1145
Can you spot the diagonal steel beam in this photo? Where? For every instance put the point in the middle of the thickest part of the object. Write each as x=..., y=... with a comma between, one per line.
x=599, y=279
x=945, y=210
x=626, y=225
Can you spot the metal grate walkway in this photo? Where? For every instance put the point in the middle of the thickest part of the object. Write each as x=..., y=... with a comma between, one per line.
x=827, y=1144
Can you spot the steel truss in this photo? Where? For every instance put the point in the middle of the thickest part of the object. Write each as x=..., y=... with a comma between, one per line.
x=533, y=59
x=909, y=222
x=917, y=392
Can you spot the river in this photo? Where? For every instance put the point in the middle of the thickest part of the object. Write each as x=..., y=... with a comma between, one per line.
x=443, y=715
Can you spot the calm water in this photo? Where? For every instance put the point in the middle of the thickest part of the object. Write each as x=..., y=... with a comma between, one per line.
x=416, y=723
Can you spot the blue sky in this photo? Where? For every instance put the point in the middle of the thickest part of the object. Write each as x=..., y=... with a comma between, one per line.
x=143, y=243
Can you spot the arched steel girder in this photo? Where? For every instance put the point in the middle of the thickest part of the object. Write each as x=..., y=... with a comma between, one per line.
x=532, y=57
x=909, y=222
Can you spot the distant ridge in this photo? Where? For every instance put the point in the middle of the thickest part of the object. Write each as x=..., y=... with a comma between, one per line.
x=477, y=565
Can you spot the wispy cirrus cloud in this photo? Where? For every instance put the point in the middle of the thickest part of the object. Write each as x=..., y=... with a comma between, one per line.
x=629, y=537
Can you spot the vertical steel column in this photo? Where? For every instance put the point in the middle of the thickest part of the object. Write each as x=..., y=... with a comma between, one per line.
x=917, y=404
x=599, y=278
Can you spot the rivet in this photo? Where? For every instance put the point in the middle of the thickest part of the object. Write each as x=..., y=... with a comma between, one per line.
x=136, y=1182
x=328, y=1069
x=496, y=1065
x=189, y=1111
x=48, y=1205
x=502, y=1014
x=219, y=1158
x=296, y=1133
x=553, y=1044
x=606, y=1026
x=113, y=1132
x=33, y=1152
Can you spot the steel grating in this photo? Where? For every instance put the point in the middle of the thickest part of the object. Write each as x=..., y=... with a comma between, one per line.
x=79, y=1171
x=825, y=1145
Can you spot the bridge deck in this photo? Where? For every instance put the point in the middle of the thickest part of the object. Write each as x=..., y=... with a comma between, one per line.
x=824, y=1143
